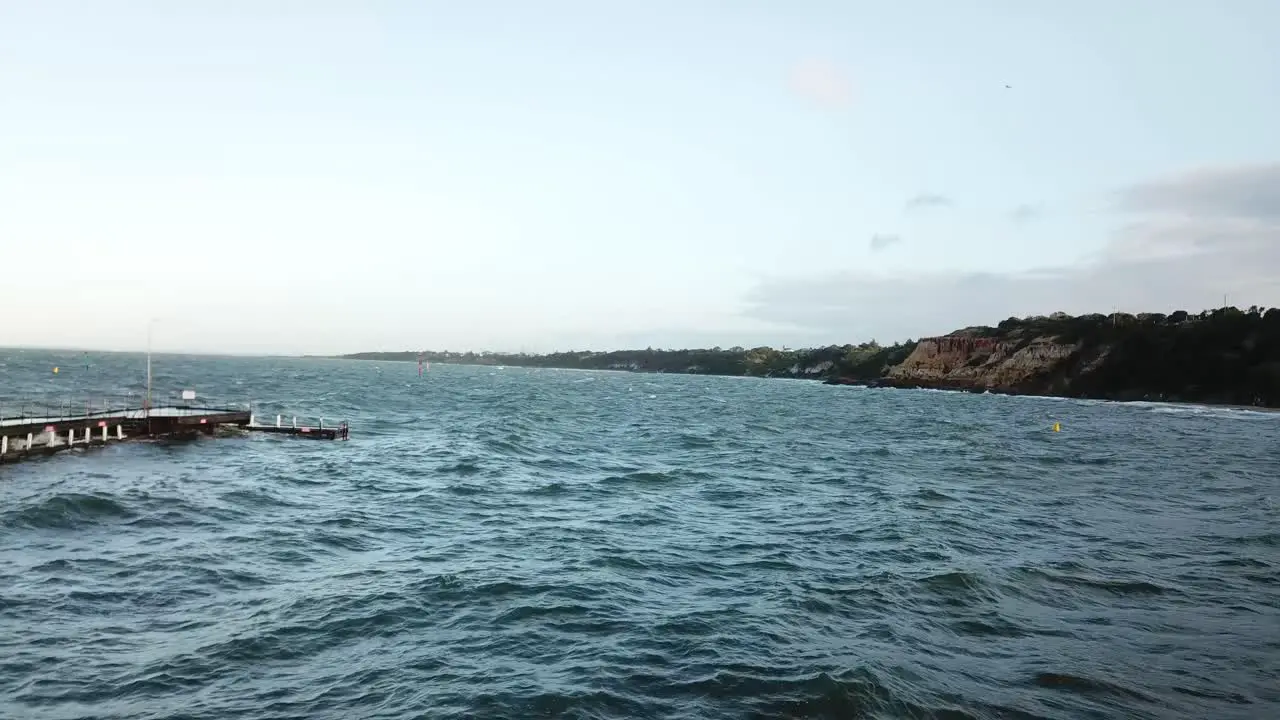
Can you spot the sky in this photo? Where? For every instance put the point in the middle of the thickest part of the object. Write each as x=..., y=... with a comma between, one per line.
x=324, y=177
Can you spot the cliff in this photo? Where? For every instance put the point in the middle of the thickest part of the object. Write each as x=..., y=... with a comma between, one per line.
x=964, y=361
x=1224, y=356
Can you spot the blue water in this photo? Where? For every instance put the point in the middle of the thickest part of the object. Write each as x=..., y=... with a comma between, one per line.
x=519, y=543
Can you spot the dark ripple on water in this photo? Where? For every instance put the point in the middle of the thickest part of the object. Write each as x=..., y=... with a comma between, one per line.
x=514, y=543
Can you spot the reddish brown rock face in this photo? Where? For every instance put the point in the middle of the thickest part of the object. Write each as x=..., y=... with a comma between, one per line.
x=965, y=362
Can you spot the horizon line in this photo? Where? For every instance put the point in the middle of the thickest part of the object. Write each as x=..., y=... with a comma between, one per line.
x=785, y=348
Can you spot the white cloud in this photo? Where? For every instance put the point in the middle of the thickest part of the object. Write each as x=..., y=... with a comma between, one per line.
x=1241, y=192
x=1195, y=238
x=882, y=241
x=925, y=201
x=1025, y=213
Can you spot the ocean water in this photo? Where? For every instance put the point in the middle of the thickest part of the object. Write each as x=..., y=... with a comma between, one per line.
x=513, y=543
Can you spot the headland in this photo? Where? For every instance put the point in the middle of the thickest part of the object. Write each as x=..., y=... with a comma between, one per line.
x=1225, y=356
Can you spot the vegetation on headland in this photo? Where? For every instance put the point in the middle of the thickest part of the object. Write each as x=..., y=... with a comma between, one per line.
x=867, y=361
x=1226, y=355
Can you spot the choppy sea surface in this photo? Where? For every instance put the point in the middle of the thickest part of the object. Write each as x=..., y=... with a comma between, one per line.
x=513, y=543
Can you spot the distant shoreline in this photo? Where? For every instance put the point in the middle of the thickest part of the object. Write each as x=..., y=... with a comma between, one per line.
x=868, y=385
x=1226, y=357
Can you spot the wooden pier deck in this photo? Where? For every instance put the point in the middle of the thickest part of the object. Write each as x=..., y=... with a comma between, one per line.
x=46, y=433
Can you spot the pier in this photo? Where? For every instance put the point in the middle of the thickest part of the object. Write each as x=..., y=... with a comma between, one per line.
x=35, y=432
x=317, y=432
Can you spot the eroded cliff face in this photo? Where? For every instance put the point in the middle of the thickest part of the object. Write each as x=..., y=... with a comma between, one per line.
x=964, y=361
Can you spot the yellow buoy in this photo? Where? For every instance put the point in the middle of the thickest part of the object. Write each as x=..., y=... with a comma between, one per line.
x=1057, y=427
x=55, y=371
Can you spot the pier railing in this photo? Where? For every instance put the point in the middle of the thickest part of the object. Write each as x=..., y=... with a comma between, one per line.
x=55, y=408
x=64, y=408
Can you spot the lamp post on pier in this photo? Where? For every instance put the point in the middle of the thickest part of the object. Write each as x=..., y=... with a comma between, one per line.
x=146, y=403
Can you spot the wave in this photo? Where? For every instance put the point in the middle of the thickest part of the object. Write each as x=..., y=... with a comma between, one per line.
x=643, y=478
x=1221, y=412
x=934, y=495
x=68, y=511
x=1084, y=684
x=553, y=489
x=1111, y=586
x=959, y=587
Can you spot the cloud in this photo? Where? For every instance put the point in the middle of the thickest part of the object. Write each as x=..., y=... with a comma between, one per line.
x=1223, y=192
x=1180, y=243
x=924, y=201
x=1025, y=213
x=822, y=82
x=881, y=241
